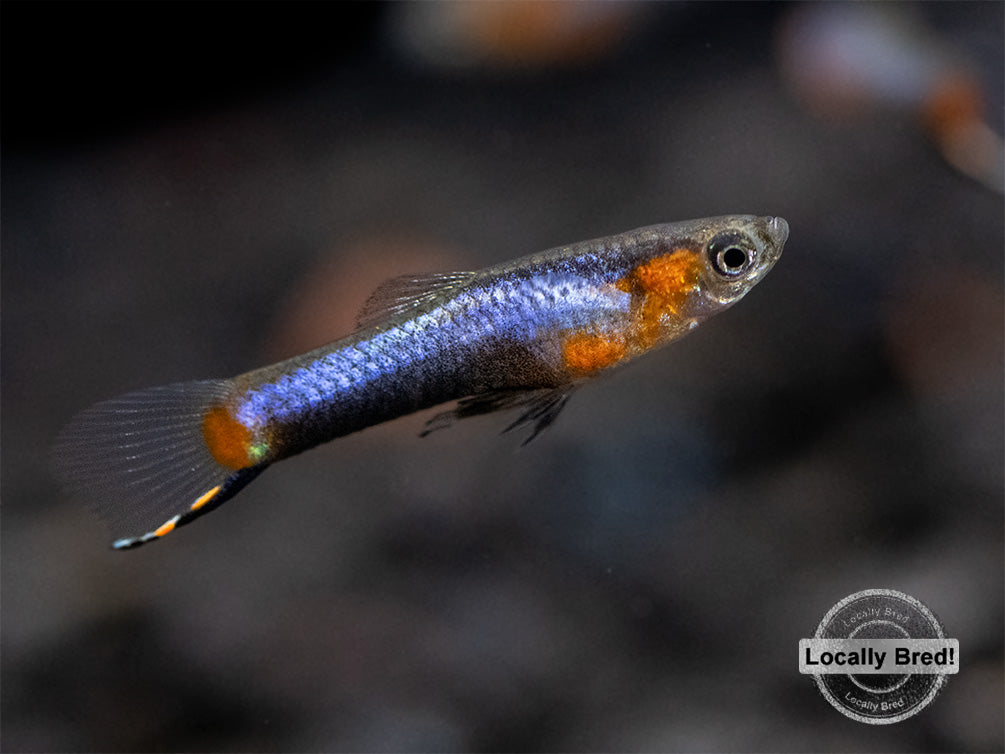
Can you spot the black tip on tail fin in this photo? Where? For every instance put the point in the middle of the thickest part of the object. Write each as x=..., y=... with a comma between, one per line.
x=141, y=460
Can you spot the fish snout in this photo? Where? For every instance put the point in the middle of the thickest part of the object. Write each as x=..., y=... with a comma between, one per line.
x=778, y=231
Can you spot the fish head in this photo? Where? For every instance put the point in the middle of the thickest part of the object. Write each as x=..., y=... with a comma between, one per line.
x=735, y=253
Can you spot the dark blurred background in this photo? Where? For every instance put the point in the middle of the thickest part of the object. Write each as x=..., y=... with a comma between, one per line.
x=193, y=190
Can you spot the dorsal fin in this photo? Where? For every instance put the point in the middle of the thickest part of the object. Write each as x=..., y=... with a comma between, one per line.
x=400, y=294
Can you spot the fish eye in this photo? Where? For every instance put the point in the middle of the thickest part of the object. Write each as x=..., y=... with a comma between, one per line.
x=731, y=255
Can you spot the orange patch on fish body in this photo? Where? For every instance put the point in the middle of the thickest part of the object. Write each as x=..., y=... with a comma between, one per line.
x=584, y=353
x=665, y=282
x=228, y=440
x=670, y=277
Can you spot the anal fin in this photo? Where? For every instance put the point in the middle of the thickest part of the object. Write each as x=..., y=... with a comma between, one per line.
x=540, y=409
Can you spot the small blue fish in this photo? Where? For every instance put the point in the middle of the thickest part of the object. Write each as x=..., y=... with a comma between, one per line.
x=521, y=334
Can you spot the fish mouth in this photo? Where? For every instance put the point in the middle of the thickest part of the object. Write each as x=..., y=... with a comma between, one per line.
x=778, y=231
x=775, y=233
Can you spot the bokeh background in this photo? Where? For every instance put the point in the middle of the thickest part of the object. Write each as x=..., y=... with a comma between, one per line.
x=194, y=190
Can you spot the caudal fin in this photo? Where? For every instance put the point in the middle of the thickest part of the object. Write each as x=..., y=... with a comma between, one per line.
x=143, y=462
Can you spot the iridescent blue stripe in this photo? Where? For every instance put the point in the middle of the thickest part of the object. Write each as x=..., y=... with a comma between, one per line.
x=518, y=309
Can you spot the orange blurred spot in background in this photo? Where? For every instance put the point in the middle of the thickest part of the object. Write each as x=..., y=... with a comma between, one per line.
x=843, y=60
x=324, y=303
x=511, y=33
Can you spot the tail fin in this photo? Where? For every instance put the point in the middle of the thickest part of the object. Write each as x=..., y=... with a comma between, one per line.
x=142, y=460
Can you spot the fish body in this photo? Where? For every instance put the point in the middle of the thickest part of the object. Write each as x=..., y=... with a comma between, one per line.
x=523, y=334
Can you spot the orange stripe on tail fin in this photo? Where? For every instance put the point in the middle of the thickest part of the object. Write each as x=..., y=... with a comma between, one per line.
x=142, y=460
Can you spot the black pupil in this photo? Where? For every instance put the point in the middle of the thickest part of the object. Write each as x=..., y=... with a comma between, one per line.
x=733, y=258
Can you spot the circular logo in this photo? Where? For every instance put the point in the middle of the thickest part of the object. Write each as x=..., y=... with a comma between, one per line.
x=879, y=656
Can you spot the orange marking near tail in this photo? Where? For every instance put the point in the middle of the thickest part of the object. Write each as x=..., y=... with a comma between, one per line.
x=584, y=353
x=227, y=439
x=205, y=498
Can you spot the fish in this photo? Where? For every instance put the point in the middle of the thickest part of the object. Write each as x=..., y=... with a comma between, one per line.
x=521, y=335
